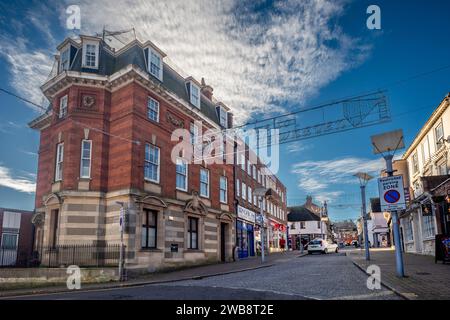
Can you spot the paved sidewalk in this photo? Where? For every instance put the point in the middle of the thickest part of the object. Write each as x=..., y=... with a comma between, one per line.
x=424, y=279
x=177, y=275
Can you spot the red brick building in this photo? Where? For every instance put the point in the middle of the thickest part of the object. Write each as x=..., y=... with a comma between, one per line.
x=251, y=174
x=106, y=141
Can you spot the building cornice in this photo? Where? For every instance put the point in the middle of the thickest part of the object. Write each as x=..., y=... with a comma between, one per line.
x=123, y=77
x=41, y=122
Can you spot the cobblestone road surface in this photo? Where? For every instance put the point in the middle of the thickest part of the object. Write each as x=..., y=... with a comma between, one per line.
x=331, y=276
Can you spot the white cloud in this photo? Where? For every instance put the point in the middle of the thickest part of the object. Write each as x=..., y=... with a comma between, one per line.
x=29, y=153
x=297, y=146
x=28, y=69
x=30, y=58
x=9, y=127
x=319, y=175
x=329, y=196
x=19, y=183
x=255, y=60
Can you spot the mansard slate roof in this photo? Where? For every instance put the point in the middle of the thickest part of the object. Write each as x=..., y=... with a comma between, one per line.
x=301, y=213
x=109, y=64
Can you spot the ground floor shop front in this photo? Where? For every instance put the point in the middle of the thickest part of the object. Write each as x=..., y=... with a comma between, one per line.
x=428, y=217
x=277, y=236
x=251, y=231
x=245, y=238
x=418, y=228
x=298, y=240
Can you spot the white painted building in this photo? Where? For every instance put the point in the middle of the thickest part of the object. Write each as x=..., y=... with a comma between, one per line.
x=304, y=226
x=428, y=164
x=312, y=228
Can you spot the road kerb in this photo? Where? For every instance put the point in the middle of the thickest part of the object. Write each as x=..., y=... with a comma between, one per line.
x=99, y=287
x=383, y=283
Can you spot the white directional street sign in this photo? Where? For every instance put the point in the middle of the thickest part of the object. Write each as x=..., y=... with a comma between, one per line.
x=392, y=193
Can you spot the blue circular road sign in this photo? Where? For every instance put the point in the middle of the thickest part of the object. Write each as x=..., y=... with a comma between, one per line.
x=392, y=196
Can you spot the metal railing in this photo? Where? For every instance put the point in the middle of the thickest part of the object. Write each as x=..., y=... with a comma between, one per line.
x=84, y=255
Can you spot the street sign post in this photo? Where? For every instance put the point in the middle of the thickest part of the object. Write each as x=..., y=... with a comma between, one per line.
x=121, y=219
x=392, y=193
x=121, y=226
x=387, y=144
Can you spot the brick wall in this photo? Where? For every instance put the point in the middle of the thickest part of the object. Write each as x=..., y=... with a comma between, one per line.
x=118, y=163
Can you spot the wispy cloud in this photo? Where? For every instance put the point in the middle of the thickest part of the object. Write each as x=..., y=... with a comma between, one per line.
x=20, y=183
x=257, y=60
x=28, y=69
x=297, y=146
x=329, y=196
x=319, y=175
x=258, y=56
x=27, y=44
x=9, y=126
x=29, y=153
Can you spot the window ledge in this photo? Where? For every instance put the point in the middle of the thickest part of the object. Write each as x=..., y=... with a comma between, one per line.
x=193, y=251
x=89, y=67
x=151, y=181
x=150, y=250
x=158, y=122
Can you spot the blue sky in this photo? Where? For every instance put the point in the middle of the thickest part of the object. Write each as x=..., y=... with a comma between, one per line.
x=261, y=57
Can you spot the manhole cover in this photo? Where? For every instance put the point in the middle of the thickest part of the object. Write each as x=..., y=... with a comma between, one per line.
x=423, y=273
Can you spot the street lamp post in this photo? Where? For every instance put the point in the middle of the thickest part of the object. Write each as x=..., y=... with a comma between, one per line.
x=121, y=225
x=387, y=144
x=261, y=212
x=395, y=225
x=363, y=180
x=321, y=229
x=261, y=194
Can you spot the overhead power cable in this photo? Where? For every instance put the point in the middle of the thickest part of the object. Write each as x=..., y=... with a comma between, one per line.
x=74, y=121
x=23, y=99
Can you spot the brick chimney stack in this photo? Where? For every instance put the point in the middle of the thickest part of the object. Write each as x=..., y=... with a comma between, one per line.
x=207, y=90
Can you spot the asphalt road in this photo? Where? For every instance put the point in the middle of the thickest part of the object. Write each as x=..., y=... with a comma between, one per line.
x=331, y=276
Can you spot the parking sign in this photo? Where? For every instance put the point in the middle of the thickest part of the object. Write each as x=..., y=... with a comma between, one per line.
x=392, y=193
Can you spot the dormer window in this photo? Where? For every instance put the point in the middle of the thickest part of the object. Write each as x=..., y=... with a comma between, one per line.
x=223, y=117
x=155, y=65
x=64, y=62
x=195, y=94
x=90, y=55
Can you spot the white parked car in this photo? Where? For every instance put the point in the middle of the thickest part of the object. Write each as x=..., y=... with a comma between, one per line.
x=322, y=246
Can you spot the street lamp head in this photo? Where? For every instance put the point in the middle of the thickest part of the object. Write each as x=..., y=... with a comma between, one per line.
x=363, y=178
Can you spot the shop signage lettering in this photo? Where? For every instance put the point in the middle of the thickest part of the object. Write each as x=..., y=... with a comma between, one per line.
x=245, y=214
